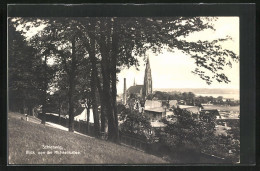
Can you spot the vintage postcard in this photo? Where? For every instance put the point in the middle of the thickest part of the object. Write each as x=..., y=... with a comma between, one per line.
x=123, y=90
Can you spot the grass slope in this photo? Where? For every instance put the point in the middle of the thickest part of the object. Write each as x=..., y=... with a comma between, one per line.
x=30, y=136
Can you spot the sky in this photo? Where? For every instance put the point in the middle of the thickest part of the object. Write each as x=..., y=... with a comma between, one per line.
x=173, y=70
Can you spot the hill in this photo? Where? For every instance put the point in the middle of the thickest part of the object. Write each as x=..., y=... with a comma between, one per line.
x=30, y=142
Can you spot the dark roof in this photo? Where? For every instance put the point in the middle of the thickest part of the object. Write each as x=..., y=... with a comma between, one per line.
x=156, y=109
x=135, y=89
x=193, y=109
x=211, y=111
x=78, y=111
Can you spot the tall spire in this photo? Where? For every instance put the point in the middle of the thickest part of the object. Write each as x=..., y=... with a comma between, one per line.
x=148, y=63
x=134, y=82
x=148, y=87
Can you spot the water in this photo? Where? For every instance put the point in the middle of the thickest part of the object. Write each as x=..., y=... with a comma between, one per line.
x=234, y=96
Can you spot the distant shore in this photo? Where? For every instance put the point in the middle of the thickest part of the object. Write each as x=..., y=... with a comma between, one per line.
x=214, y=92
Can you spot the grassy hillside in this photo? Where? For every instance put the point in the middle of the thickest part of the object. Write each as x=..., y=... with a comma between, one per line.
x=32, y=137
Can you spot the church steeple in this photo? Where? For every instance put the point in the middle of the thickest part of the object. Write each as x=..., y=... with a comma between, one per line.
x=148, y=86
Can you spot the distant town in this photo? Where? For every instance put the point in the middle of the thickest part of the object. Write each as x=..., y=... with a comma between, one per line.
x=161, y=107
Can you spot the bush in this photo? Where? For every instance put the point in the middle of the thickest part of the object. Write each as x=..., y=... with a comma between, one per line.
x=188, y=134
x=137, y=125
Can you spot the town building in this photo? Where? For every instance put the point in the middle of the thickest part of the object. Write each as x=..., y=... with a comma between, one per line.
x=192, y=109
x=212, y=112
x=141, y=91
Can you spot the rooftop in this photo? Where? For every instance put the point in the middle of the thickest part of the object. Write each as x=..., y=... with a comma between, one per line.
x=193, y=109
x=157, y=109
x=135, y=89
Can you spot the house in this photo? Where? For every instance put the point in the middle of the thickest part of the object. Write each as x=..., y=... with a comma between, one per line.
x=149, y=104
x=156, y=113
x=213, y=112
x=136, y=90
x=173, y=103
x=81, y=114
x=182, y=102
x=228, y=100
x=193, y=109
x=154, y=109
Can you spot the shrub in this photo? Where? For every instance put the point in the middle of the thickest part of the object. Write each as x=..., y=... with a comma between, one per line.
x=137, y=125
x=188, y=133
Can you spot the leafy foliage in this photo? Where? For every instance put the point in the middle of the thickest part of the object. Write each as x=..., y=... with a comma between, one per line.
x=24, y=86
x=194, y=134
x=136, y=124
x=228, y=146
x=189, y=133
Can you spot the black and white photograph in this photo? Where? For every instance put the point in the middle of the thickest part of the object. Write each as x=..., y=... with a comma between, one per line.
x=123, y=90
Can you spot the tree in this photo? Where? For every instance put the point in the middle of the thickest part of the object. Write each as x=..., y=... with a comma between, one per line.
x=119, y=42
x=136, y=125
x=189, y=134
x=150, y=97
x=161, y=95
x=43, y=43
x=136, y=35
x=23, y=84
x=155, y=33
x=67, y=46
x=57, y=101
x=220, y=99
x=87, y=102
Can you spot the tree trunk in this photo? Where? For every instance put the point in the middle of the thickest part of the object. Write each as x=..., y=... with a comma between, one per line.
x=23, y=106
x=114, y=104
x=112, y=132
x=59, y=111
x=30, y=110
x=45, y=87
x=114, y=77
x=94, y=75
x=44, y=110
x=72, y=86
x=106, y=72
x=71, y=109
x=103, y=106
x=103, y=116
x=88, y=113
x=94, y=103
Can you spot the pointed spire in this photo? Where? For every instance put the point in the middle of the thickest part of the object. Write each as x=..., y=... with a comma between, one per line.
x=148, y=62
x=134, y=82
x=148, y=78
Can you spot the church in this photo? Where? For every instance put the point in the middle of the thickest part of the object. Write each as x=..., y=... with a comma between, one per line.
x=141, y=91
x=152, y=108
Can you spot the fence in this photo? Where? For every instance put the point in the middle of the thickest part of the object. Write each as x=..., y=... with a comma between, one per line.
x=84, y=128
x=131, y=140
x=79, y=126
x=136, y=143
